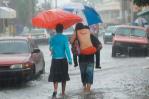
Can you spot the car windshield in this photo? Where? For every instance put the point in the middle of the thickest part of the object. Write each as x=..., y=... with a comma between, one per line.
x=111, y=29
x=37, y=31
x=123, y=31
x=130, y=32
x=15, y=46
x=138, y=32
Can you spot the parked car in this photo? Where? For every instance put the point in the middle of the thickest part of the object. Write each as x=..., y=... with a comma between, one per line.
x=130, y=40
x=107, y=35
x=101, y=31
x=38, y=34
x=20, y=59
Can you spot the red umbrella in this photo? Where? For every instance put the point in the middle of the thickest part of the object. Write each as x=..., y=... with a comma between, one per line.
x=50, y=18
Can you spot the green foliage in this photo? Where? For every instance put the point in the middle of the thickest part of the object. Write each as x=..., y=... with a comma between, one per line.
x=25, y=9
x=141, y=2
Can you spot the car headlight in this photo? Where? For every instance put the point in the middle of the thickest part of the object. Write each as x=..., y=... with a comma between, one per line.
x=16, y=66
x=118, y=43
x=20, y=66
x=27, y=65
x=144, y=46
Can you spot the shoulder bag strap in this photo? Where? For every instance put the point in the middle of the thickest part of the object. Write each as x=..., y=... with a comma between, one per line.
x=77, y=38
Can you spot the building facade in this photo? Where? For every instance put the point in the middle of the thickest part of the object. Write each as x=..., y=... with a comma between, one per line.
x=25, y=10
x=115, y=11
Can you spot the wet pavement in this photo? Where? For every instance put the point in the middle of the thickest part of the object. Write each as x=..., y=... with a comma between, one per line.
x=119, y=78
x=124, y=83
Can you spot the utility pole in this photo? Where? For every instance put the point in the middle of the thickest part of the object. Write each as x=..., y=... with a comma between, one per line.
x=132, y=13
x=123, y=10
x=55, y=3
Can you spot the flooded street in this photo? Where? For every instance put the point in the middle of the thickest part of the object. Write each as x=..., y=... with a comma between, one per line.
x=124, y=72
x=119, y=78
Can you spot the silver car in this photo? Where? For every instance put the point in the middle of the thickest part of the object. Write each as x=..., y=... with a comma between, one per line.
x=107, y=36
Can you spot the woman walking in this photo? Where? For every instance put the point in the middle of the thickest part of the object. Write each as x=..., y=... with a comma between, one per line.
x=60, y=51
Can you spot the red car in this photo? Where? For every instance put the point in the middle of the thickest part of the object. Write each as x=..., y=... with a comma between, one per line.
x=130, y=39
x=20, y=59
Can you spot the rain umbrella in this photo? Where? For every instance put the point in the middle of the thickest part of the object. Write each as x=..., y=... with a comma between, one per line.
x=50, y=18
x=141, y=21
x=90, y=13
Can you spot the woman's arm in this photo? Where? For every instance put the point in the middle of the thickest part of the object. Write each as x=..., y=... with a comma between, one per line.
x=73, y=38
x=67, y=49
x=96, y=42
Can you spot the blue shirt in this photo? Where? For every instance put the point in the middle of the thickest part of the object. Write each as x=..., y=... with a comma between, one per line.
x=59, y=47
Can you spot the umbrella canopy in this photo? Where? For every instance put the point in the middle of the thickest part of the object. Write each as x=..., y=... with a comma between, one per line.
x=7, y=13
x=145, y=12
x=141, y=21
x=90, y=13
x=50, y=18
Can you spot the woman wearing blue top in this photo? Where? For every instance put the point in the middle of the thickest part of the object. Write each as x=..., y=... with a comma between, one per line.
x=59, y=47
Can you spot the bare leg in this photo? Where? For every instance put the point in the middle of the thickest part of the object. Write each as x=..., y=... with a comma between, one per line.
x=55, y=86
x=88, y=88
x=85, y=87
x=63, y=87
x=55, y=90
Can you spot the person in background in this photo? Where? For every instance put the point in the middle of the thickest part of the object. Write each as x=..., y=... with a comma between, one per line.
x=86, y=60
x=147, y=31
x=59, y=47
x=94, y=29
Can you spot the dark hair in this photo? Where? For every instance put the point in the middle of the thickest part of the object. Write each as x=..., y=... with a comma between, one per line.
x=86, y=27
x=59, y=28
x=79, y=26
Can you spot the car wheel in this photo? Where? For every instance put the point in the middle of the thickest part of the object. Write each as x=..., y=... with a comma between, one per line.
x=43, y=69
x=113, y=51
x=146, y=52
x=33, y=72
x=104, y=40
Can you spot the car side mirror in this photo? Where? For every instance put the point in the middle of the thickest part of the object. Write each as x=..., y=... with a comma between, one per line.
x=36, y=50
x=148, y=35
x=113, y=34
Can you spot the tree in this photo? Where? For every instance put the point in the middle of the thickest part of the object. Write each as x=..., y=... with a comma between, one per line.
x=25, y=10
x=141, y=2
x=46, y=5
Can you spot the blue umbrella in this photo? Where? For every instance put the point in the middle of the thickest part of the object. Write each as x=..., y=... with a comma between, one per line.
x=90, y=13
